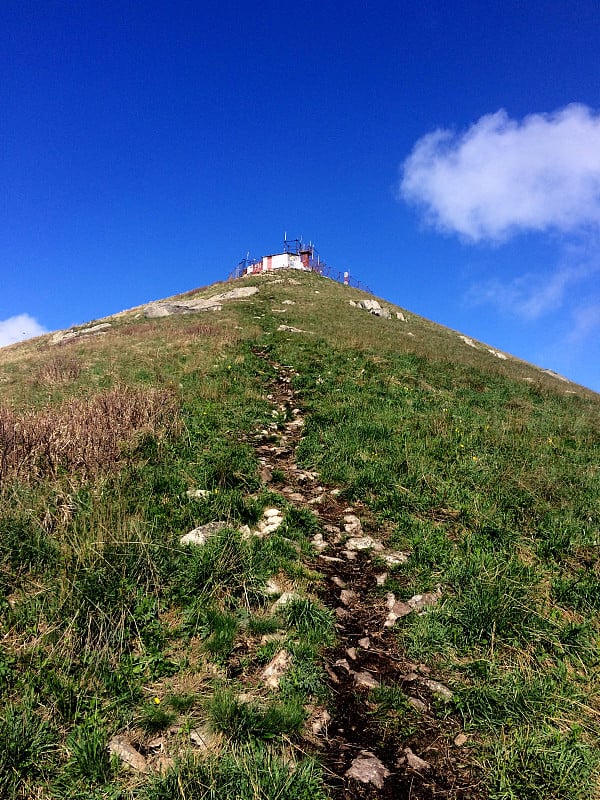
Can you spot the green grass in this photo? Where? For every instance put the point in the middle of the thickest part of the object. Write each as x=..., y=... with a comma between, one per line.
x=485, y=471
x=247, y=772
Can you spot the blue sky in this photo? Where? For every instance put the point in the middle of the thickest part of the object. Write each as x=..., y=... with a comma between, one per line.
x=447, y=154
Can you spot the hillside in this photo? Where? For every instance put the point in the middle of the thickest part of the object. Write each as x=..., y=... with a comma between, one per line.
x=257, y=542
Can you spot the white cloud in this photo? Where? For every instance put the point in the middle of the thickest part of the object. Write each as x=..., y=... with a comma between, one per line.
x=586, y=322
x=504, y=176
x=531, y=295
x=15, y=329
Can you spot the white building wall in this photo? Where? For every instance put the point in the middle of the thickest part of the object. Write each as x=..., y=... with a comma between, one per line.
x=277, y=261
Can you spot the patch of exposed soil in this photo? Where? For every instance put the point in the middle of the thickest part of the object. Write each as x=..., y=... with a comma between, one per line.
x=369, y=750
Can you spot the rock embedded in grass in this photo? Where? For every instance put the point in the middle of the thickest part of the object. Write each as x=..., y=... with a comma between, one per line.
x=126, y=752
x=286, y=597
x=276, y=669
x=395, y=557
x=438, y=689
x=199, y=536
x=272, y=519
x=197, y=494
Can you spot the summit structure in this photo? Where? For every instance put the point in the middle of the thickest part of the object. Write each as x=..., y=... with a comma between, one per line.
x=296, y=254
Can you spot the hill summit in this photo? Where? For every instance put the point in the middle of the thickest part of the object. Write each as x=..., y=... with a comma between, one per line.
x=277, y=538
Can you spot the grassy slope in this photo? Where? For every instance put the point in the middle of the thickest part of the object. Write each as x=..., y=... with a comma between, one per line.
x=485, y=470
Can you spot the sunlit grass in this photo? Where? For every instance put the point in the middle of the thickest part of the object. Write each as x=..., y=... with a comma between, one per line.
x=485, y=471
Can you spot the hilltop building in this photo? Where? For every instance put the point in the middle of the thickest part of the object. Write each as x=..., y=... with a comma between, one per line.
x=296, y=255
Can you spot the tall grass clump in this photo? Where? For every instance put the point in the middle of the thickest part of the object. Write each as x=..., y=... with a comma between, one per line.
x=83, y=436
x=542, y=764
x=252, y=771
x=28, y=748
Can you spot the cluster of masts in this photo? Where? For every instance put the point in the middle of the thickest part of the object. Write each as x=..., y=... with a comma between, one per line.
x=296, y=255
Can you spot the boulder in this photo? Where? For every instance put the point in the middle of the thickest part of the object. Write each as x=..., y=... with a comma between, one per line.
x=214, y=303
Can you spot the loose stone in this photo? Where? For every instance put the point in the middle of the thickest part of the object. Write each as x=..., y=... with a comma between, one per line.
x=320, y=722
x=365, y=680
x=348, y=597
x=367, y=768
x=127, y=753
x=352, y=524
x=413, y=761
x=438, y=688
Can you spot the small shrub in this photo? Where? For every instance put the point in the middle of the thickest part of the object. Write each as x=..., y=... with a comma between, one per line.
x=61, y=368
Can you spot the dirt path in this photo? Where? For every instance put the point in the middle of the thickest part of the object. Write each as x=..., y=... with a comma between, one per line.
x=403, y=750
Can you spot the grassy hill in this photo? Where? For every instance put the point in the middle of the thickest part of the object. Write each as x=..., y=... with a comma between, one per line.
x=402, y=596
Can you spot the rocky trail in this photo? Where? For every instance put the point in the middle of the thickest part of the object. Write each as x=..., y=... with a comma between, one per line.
x=375, y=742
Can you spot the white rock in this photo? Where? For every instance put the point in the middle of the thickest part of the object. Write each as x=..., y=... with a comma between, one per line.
x=199, y=536
x=197, y=494
x=395, y=557
x=286, y=597
x=271, y=512
x=272, y=587
x=276, y=668
x=352, y=524
x=291, y=329
x=363, y=543
x=369, y=305
x=438, y=688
